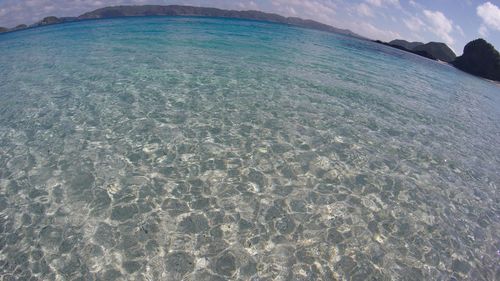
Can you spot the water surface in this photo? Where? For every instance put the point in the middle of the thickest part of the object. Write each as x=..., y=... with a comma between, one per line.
x=213, y=149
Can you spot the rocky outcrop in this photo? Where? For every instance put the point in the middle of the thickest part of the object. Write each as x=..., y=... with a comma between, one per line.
x=177, y=10
x=420, y=53
x=405, y=44
x=438, y=50
x=480, y=58
x=19, y=27
x=432, y=50
x=49, y=20
x=53, y=20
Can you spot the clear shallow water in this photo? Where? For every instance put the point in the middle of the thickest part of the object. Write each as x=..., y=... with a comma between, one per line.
x=211, y=149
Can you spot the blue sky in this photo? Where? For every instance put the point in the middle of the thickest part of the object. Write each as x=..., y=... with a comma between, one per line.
x=454, y=22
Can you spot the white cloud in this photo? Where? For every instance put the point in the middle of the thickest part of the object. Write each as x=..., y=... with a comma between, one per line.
x=323, y=11
x=380, y=3
x=364, y=10
x=370, y=31
x=377, y=3
x=414, y=24
x=460, y=30
x=490, y=14
x=3, y=12
x=483, y=31
x=440, y=25
x=307, y=6
x=248, y=5
x=369, y=8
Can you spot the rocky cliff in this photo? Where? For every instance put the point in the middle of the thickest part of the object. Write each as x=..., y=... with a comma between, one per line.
x=438, y=50
x=480, y=58
x=431, y=50
x=405, y=44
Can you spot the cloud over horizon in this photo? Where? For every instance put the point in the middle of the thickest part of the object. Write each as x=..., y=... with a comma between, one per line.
x=440, y=25
x=490, y=14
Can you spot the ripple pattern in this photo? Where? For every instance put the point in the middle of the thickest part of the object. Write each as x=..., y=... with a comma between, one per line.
x=213, y=149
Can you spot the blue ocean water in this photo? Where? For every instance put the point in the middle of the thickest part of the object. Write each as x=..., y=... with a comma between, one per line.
x=212, y=149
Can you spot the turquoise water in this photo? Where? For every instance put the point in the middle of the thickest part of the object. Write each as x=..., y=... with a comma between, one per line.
x=212, y=149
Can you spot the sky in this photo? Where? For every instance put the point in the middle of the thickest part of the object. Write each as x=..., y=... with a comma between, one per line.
x=454, y=22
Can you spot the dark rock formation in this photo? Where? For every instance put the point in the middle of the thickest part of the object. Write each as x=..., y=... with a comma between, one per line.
x=19, y=27
x=424, y=54
x=49, y=20
x=438, y=50
x=480, y=58
x=53, y=20
x=176, y=10
x=420, y=53
x=405, y=44
x=432, y=50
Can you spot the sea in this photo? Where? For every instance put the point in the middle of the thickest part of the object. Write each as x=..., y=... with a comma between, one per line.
x=181, y=148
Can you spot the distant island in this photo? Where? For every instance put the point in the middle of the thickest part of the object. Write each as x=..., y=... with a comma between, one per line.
x=191, y=11
x=405, y=44
x=431, y=50
x=480, y=58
